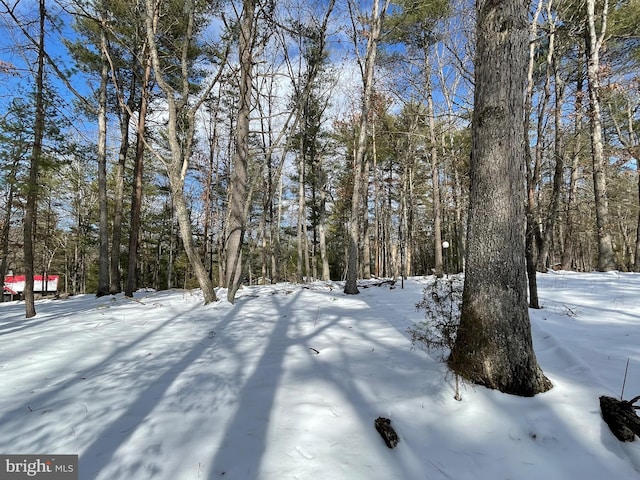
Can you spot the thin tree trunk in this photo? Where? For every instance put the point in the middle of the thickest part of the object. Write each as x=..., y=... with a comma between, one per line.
x=531, y=172
x=636, y=258
x=544, y=239
x=32, y=185
x=631, y=143
x=435, y=183
x=103, y=263
x=180, y=133
x=460, y=231
x=323, y=241
x=364, y=260
x=303, y=272
x=6, y=222
x=568, y=258
x=377, y=17
x=606, y=256
x=126, y=109
x=239, y=176
x=116, y=234
x=558, y=176
x=172, y=247
x=136, y=193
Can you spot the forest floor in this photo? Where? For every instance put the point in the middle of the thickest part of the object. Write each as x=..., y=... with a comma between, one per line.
x=287, y=382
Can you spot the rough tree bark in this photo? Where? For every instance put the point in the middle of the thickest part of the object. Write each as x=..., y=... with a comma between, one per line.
x=494, y=345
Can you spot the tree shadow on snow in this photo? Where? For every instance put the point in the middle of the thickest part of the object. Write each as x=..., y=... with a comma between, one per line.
x=359, y=363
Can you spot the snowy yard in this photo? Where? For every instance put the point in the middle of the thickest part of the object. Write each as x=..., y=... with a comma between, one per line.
x=287, y=383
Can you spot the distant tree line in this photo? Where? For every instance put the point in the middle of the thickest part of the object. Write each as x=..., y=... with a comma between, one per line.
x=192, y=143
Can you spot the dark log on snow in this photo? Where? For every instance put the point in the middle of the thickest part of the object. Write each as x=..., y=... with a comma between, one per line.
x=391, y=284
x=621, y=417
x=386, y=431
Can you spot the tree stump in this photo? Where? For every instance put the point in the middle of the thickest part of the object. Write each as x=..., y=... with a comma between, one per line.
x=386, y=431
x=621, y=417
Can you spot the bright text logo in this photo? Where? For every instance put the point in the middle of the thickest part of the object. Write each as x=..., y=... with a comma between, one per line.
x=45, y=467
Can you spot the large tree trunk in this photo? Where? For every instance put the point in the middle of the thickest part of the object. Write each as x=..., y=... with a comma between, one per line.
x=494, y=345
x=606, y=256
x=239, y=176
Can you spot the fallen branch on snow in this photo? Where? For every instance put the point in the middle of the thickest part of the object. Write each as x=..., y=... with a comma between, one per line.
x=386, y=431
x=621, y=417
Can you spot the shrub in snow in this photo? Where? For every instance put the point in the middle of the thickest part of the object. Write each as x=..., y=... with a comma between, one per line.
x=442, y=302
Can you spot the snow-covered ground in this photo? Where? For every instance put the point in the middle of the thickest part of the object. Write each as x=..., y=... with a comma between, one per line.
x=287, y=383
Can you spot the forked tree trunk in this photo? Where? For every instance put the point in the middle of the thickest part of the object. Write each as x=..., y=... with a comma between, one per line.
x=494, y=345
x=181, y=111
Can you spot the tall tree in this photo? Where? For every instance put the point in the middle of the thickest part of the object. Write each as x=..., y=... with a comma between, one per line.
x=138, y=170
x=594, y=39
x=415, y=26
x=103, y=275
x=174, y=79
x=239, y=177
x=532, y=231
x=367, y=66
x=494, y=345
x=14, y=147
x=34, y=165
x=131, y=55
